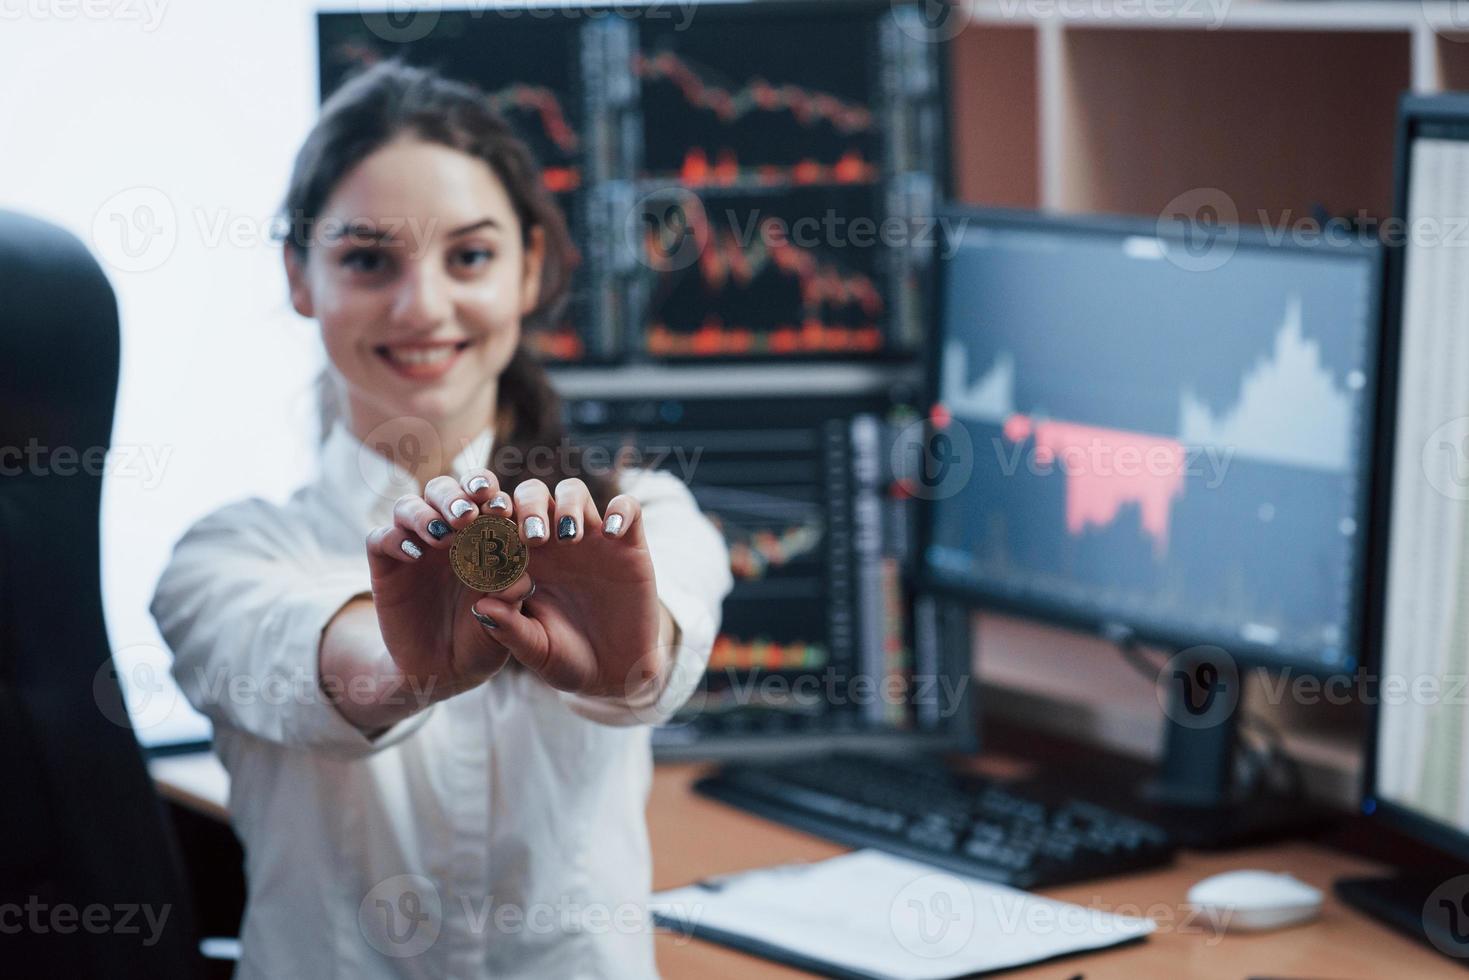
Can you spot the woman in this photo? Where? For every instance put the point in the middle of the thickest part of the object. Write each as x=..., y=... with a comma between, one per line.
x=430, y=781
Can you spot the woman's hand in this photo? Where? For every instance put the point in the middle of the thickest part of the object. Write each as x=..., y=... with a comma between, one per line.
x=423, y=610
x=594, y=624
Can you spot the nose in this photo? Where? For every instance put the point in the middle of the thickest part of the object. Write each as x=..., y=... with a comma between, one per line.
x=422, y=300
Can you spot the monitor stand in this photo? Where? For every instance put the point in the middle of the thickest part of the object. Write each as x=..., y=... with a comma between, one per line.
x=1194, y=793
x=1430, y=906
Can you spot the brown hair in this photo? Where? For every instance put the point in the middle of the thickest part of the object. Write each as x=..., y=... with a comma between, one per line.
x=368, y=111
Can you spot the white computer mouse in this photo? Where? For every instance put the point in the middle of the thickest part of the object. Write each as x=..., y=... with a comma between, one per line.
x=1254, y=900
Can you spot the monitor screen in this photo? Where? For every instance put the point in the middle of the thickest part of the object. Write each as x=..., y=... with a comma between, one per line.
x=1177, y=450
x=819, y=635
x=1422, y=718
x=729, y=198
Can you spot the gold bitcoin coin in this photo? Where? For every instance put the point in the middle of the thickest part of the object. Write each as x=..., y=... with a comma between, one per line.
x=488, y=555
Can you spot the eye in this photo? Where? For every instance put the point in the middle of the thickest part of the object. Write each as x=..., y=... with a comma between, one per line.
x=473, y=257
x=365, y=260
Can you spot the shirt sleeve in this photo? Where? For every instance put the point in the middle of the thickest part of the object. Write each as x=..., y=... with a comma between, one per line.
x=691, y=565
x=242, y=604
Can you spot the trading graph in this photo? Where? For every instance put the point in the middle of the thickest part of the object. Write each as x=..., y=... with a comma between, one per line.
x=792, y=484
x=725, y=94
x=784, y=146
x=530, y=73
x=754, y=288
x=1160, y=446
x=809, y=139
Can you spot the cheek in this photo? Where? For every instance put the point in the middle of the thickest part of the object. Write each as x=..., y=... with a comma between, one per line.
x=347, y=313
x=492, y=303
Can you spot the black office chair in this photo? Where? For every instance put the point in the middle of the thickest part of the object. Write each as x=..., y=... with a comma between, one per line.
x=81, y=825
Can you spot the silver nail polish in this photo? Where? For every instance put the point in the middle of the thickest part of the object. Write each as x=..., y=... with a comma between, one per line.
x=411, y=550
x=499, y=502
x=484, y=620
x=477, y=484
x=535, y=528
x=461, y=507
x=614, y=525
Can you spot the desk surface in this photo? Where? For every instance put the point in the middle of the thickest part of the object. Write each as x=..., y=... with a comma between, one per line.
x=694, y=837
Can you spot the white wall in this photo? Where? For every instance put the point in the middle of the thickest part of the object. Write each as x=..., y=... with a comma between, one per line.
x=179, y=118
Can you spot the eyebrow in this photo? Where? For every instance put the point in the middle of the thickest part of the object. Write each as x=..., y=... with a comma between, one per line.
x=361, y=230
x=476, y=226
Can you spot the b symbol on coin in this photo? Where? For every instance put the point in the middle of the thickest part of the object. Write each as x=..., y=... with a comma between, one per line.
x=488, y=555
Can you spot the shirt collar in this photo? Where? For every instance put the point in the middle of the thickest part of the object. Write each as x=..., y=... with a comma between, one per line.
x=362, y=477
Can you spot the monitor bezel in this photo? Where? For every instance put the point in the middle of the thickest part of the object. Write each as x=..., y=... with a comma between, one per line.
x=1246, y=655
x=1413, y=112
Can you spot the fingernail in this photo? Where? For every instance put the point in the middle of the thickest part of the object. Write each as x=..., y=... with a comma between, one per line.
x=613, y=525
x=566, y=528
x=499, y=502
x=411, y=550
x=438, y=529
x=535, y=528
x=461, y=507
x=477, y=484
x=484, y=620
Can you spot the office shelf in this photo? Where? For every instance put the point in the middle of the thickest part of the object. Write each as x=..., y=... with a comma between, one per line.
x=1123, y=105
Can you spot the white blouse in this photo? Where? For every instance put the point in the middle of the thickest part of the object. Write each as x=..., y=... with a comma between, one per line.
x=498, y=833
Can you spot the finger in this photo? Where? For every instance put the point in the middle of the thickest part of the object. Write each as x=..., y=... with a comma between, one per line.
x=575, y=510
x=486, y=493
x=390, y=545
x=518, y=592
x=515, y=631
x=534, y=509
x=480, y=484
x=421, y=522
x=624, y=520
x=446, y=496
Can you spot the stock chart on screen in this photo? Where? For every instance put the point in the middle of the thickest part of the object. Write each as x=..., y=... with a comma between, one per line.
x=743, y=181
x=776, y=138
x=802, y=491
x=530, y=68
x=1175, y=450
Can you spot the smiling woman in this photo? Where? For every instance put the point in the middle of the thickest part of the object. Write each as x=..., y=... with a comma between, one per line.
x=410, y=770
x=421, y=259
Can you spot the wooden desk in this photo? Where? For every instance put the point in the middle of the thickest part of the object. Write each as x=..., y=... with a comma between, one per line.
x=694, y=837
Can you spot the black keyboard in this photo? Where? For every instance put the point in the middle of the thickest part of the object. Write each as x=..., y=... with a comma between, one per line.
x=1020, y=834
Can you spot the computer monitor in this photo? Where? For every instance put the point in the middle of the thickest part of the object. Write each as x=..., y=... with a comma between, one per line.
x=822, y=643
x=1161, y=437
x=730, y=198
x=1417, y=643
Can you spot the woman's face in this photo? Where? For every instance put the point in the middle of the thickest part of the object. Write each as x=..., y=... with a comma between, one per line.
x=419, y=279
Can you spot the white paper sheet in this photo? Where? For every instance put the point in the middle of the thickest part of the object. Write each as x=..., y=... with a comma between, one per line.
x=877, y=915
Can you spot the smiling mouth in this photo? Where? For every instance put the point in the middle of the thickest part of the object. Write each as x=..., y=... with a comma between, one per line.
x=422, y=360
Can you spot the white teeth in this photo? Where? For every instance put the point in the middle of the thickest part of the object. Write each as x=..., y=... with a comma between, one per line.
x=432, y=355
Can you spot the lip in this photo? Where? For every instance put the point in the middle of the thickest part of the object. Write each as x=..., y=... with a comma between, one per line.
x=420, y=368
